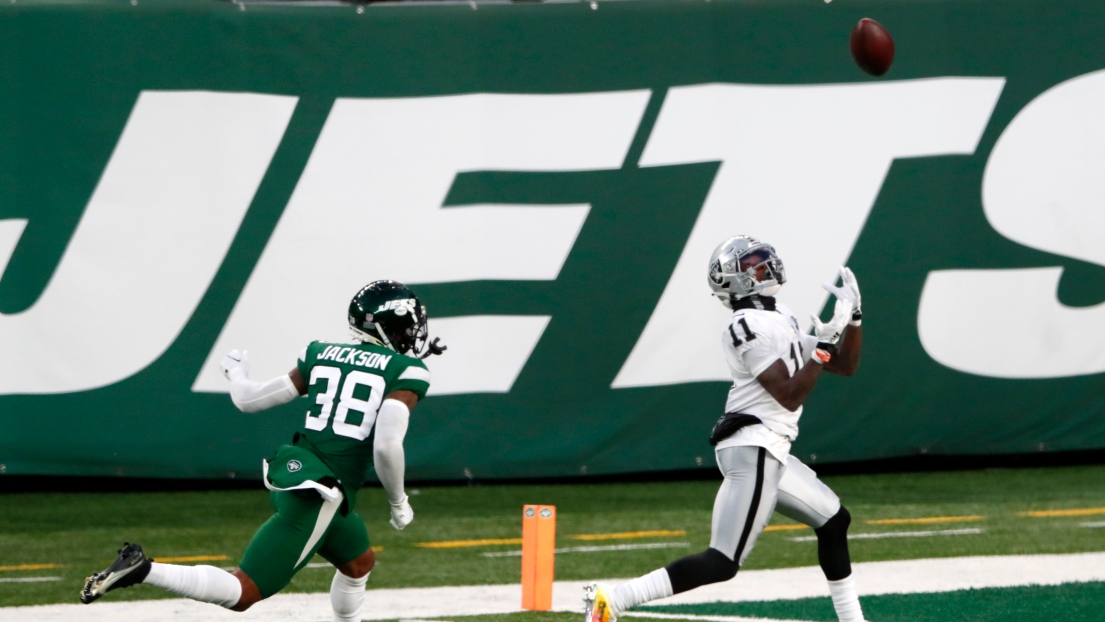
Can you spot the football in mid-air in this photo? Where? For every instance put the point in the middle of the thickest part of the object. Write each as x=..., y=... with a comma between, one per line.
x=872, y=47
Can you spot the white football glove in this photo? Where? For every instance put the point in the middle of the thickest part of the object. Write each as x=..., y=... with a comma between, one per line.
x=849, y=291
x=401, y=514
x=830, y=332
x=234, y=361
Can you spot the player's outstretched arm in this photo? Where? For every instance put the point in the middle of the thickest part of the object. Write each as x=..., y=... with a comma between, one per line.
x=250, y=396
x=846, y=360
x=387, y=451
x=790, y=391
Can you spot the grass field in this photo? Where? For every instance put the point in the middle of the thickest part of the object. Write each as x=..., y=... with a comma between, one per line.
x=983, y=512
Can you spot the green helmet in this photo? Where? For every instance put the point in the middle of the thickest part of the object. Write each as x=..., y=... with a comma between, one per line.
x=389, y=314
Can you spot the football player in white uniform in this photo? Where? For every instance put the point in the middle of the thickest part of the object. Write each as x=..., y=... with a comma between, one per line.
x=774, y=366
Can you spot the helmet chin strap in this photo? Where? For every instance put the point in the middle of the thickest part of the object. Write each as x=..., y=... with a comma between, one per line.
x=367, y=338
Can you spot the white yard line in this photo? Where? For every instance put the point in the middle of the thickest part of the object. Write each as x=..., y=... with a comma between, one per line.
x=28, y=579
x=1100, y=523
x=896, y=577
x=900, y=534
x=596, y=549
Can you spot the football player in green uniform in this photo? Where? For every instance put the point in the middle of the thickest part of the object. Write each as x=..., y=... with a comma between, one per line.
x=355, y=389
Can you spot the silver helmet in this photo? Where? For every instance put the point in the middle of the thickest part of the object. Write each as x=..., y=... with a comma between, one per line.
x=743, y=266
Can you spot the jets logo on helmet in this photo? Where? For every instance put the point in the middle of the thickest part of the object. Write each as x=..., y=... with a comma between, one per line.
x=400, y=307
x=743, y=266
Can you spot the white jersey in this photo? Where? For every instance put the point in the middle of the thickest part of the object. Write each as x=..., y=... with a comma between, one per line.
x=752, y=341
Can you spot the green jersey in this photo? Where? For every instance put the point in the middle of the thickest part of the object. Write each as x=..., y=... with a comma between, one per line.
x=347, y=383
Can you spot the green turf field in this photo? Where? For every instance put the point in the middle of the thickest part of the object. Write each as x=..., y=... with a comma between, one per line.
x=71, y=535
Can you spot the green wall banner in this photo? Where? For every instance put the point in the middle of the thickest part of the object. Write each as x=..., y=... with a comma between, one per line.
x=178, y=179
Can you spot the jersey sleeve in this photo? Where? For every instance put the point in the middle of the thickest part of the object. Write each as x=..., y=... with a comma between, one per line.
x=301, y=363
x=414, y=377
x=757, y=346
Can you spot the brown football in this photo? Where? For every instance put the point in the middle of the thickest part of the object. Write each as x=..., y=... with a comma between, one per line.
x=872, y=47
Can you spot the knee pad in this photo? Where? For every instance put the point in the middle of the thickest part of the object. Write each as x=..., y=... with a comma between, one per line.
x=709, y=566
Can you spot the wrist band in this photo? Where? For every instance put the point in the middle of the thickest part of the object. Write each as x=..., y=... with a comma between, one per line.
x=821, y=356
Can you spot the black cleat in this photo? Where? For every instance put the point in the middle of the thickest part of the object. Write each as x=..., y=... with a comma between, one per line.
x=130, y=568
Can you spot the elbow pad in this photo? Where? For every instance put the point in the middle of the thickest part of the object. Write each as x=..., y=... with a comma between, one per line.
x=251, y=397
